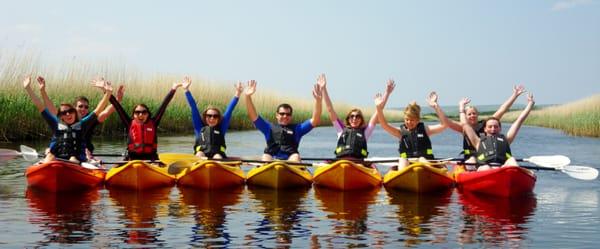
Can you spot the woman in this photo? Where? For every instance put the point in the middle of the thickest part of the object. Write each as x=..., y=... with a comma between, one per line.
x=210, y=128
x=473, y=118
x=493, y=147
x=68, y=132
x=413, y=134
x=353, y=133
x=141, y=140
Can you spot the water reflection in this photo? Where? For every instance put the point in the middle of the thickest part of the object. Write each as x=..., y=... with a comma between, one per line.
x=495, y=221
x=210, y=211
x=282, y=210
x=138, y=212
x=65, y=218
x=349, y=212
x=423, y=217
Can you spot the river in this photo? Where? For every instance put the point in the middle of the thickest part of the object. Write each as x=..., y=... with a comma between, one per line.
x=562, y=213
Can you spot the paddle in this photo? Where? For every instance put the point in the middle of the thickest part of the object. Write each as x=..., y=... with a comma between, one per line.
x=30, y=154
x=554, y=161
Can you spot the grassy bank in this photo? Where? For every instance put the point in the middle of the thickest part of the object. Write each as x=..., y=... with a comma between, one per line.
x=579, y=118
x=19, y=119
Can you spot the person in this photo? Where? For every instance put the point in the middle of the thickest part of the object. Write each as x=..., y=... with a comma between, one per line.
x=67, y=129
x=284, y=136
x=141, y=139
x=353, y=133
x=210, y=127
x=413, y=134
x=472, y=115
x=493, y=147
x=82, y=105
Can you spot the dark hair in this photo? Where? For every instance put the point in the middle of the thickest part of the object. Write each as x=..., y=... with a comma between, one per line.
x=70, y=108
x=492, y=118
x=285, y=106
x=208, y=108
x=142, y=105
x=81, y=98
x=359, y=112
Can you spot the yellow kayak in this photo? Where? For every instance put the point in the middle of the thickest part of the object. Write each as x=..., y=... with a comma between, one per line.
x=139, y=175
x=207, y=174
x=279, y=175
x=419, y=177
x=347, y=175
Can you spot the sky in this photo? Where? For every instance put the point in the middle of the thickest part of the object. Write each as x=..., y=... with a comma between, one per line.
x=476, y=49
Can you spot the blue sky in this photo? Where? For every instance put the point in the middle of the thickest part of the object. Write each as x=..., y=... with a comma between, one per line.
x=478, y=49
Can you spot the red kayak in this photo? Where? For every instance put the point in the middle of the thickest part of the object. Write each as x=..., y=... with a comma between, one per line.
x=59, y=176
x=505, y=181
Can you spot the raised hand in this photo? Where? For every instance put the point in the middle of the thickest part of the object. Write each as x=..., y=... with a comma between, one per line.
x=107, y=87
x=177, y=85
x=239, y=88
x=27, y=82
x=186, y=83
x=462, y=103
x=99, y=83
x=317, y=93
x=42, y=82
x=389, y=88
x=322, y=81
x=518, y=90
x=530, y=98
x=379, y=101
x=432, y=99
x=120, y=93
x=251, y=89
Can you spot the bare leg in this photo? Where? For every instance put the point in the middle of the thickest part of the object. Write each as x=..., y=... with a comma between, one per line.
x=471, y=164
x=217, y=156
x=511, y=162
x=201, y=155
x=403, y=162
x=267, y=157
x=294, y=157
x=483, y=167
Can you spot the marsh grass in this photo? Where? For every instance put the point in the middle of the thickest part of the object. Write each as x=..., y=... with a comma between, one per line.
x=19, y=119
x=579, y=118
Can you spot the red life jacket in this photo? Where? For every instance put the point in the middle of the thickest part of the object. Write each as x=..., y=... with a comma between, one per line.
x=142, y=137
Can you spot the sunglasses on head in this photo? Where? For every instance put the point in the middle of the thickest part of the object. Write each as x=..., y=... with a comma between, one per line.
x=83, y=106
x=213, y=116
x=355, y=116
x=284, y=114
x=140, y=112
x=65, y=112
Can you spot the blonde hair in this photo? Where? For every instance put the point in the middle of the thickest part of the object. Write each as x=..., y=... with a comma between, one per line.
x=412, y=110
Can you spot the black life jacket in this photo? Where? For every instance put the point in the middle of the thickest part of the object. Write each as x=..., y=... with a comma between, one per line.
x=87, y=137
x=68, y=142
x=468, y=149
x=282, y=139
x=493, y=149
x=415, y=143
x=352, y=143
x=142, y=137
x=211, y=141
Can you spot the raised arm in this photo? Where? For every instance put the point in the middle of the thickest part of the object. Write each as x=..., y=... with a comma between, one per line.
x=514, y=128
x=316, y=115
x=381, y=117
x=470, y=133
x=163, y=106
x=389, y=88
x=34, y=98
x=110, y=108
x=517, y=90
x=107, y=88
x=437, y=128
x=47, y=102
x=196, y=117
x=251, y=89
x=322, y=82
x=239, y=88
x=457, y=125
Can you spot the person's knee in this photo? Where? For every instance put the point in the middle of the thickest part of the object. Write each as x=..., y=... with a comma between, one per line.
x=266, y=157
x=294, y=157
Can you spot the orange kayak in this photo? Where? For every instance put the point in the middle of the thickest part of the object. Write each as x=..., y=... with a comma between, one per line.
x=347, y=175
x=59, y=176
x=505, y=181
x=211, y=175
x=139, y=175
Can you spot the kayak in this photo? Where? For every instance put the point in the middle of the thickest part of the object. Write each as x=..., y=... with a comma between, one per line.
x=419, y=177
x=139, y=175
x=207, y=174
x=494, y=209
x=347, y=175
x=279, y=175
x=57, y=176
x=346, y=205
x=505, y=181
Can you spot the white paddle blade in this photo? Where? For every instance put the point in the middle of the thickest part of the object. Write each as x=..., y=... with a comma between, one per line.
x=89, y=166
x=30, y=154
x=555, y=161
x=9, y=153
x=580, y=172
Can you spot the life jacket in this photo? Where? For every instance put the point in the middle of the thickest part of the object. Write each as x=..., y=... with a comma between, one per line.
x=142, y=137
x=282, y=140
x=68, y=142
x=352, y=143
x=468, y=149
x=415, y=143
x=211, y=141
x=493, y=149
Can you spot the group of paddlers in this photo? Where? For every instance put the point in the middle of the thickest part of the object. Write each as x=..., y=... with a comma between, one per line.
x=72, y=126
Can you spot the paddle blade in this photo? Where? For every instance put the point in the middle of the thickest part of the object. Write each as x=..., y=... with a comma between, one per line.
x=30, y=154
x=178, y=166
x=580, y=172
x=89, y=166
x=555, y=161
x=6, y=154
x=169, y=158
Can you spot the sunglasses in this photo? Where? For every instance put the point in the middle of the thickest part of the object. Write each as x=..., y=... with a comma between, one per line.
x=83, y=106
x=140, y=112
x=213, y=116
x=284, y=114
x=65, y=112
x=355, y=116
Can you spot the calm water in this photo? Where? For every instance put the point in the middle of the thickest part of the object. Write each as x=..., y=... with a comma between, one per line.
x=563, y=212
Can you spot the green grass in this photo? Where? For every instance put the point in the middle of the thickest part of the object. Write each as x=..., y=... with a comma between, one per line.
x=19, y=119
